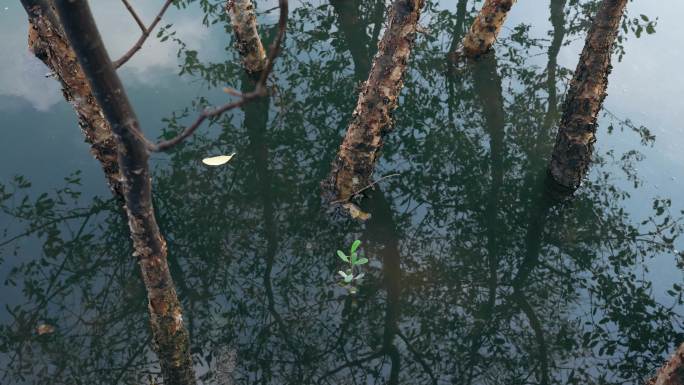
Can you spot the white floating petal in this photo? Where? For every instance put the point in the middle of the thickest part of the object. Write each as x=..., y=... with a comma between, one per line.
x=217, y=160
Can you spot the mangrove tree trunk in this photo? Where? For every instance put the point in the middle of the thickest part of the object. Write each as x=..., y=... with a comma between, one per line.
x=171, y=339
x=486, y=27
x=49, y=44
x=371, y=120
x=248, y=43
x=576, y=133
x=672, y=373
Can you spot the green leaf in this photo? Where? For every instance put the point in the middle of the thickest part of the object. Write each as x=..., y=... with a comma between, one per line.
x=348, y=278
x=362, y=261
x=342, y=255
x=355, y=245
x=354, y=257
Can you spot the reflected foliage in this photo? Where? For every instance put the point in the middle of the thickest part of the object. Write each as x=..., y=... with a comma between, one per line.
x=480, y=272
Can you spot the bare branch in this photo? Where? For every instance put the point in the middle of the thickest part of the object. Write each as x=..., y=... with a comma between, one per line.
x=259, y=91
x=145, y=32
x=135, y=16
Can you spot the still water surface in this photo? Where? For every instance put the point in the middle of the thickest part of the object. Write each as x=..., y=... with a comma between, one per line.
x=479, y=273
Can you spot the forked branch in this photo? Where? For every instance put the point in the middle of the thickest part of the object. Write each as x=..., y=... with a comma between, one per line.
x=260, y=89
x=145, y=31
x=137, y=19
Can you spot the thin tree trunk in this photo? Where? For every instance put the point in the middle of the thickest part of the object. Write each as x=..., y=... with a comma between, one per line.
x=371, y=121
x=672, y=372
x=459, y=27
x=48, y=43
x=243, y=19
x=354, y=35
x=171, y=339
x=486, y=27
x=557, y=19
x=576, y=132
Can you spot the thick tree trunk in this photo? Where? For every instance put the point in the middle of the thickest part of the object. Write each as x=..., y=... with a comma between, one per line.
x=672, y=372
x=171, y=340
x=371, y=121
x=48, y=43
x=486, y=27
x=243, y=19
x=576, y=132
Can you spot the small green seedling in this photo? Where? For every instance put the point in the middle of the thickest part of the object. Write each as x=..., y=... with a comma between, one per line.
x=349, y=276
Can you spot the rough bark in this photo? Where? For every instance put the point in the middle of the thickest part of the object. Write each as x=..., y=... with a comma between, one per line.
x=248, y=43
x=371, y=120
x=672, y=372
x=48, y=43
x=486, y=27
x=171, y=339
x=576, y=132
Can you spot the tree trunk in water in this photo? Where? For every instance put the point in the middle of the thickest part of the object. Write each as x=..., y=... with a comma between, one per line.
x=486, y=27
x=672, y=373
x=171, y=340
x=243, y=19
x=48, y=43
x=576, y=132
x=353, y=167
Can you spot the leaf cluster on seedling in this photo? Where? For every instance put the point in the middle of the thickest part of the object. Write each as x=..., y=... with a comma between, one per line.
x=348, y=275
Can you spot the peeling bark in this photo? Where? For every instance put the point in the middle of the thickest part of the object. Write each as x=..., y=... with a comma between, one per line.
x=171, y=339
x=371, y=120
x=672, y=372
x=486, y=27
x=576, y=133
x=48, y=43
x=248, y=43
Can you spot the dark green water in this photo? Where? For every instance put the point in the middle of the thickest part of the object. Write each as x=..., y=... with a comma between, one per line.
x=478, y=274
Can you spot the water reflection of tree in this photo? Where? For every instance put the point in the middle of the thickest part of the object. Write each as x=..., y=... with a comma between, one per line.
x=479, y=273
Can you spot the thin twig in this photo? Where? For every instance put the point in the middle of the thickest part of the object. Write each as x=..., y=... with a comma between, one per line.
x=260, y=89
x=145, y=33
x=135, y=16
x=365, y=188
